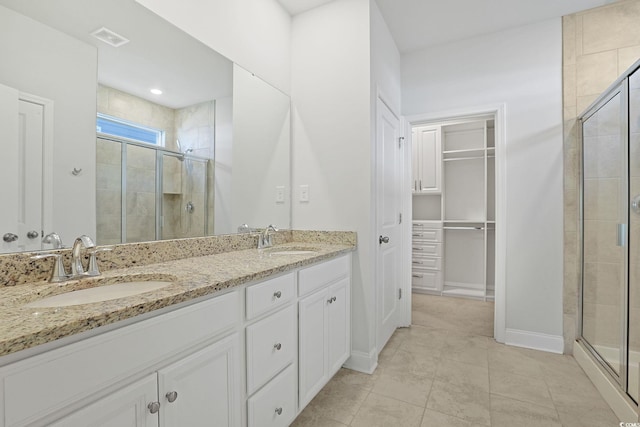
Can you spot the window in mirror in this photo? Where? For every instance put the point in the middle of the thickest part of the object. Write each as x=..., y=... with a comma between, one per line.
x=124, y=129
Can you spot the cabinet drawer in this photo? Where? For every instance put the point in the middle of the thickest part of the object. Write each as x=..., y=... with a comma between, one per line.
x=427, y=234
x=271, y=345
x=275, y=404
x=37, y=386
x=270, y=294
x=317, y=276
x=426, y=249
x=426, y=279
x=430, y=263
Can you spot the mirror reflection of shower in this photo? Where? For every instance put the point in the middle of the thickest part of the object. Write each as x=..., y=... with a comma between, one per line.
x=188, y=190
x=150, y=193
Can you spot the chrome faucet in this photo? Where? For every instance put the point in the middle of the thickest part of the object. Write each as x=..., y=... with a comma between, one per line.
x=76, y=262
x=264, y=239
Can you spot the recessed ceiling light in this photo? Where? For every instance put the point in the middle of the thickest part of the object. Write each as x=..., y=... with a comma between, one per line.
x=156, y=91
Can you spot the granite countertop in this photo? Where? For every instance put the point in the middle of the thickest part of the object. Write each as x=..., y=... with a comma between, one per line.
x=24, y=327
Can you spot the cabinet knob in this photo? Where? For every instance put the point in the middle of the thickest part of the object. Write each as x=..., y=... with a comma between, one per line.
x=10, y=237
x=277, y=346
x=32, y=234
x=383, y=239
x=154, y=407
x=172, y=396
x=277, y=294
x=330, y=300
x=279, y=411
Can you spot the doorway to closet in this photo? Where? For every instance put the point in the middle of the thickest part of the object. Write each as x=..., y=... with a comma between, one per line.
x=456, y=239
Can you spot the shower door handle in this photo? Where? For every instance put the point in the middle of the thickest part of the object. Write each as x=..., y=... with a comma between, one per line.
x=635, y=204
x=622, y=235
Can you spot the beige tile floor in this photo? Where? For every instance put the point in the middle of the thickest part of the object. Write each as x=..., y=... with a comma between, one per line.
x=446, y=370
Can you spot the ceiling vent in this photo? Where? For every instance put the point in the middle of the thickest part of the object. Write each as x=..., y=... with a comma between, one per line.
x=106, y=35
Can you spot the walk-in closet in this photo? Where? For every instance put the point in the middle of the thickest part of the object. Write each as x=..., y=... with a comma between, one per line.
x=454, y=220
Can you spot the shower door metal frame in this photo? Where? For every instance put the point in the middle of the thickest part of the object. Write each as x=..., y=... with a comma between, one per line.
x=620, y=87
x=160, y=151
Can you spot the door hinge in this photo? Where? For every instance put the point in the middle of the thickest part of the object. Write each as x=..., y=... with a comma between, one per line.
x=399, y=293
x=400, y=141
x=400, y=218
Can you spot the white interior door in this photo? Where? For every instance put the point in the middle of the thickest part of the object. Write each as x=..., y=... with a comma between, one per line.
x=21, y=141
x=389, y=155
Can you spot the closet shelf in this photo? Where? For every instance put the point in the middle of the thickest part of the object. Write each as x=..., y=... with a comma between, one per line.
x=468, y=150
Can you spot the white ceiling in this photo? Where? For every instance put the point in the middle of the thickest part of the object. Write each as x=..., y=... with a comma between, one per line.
x=158, y=54
x=417, y=24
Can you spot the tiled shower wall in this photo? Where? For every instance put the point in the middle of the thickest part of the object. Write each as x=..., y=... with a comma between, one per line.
x=598, y=46
x=194, y=126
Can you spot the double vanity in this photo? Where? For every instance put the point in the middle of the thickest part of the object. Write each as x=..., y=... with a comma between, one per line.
x=208, y=331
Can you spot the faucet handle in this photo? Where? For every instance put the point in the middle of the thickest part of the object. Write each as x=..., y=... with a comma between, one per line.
x=58, y=273
x=93, y=269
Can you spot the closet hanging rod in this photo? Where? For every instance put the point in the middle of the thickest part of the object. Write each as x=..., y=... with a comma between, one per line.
x=463, y=158
x=464, y=228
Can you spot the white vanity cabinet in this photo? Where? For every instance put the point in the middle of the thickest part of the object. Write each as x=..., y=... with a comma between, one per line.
x=201, y=364
x=324, y=312
x=196, y=388
x=193, y=351
x=272, y=351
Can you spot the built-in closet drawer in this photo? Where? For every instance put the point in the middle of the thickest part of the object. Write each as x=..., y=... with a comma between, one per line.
x=426, y=279
x=275, y=404
x=271, y=345
x=431, y=263
x=426, y=249
x=270, y=294
x=426, y=234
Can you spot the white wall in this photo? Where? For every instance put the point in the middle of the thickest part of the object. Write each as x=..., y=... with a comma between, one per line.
x=223, y=167
x=385, y=64
x=41, y=61
x=522, y=68
x=255, y=34
x=261, y=153
x=332, y=139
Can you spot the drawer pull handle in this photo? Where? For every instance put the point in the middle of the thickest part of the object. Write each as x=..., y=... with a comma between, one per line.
x=277, y=294
x=417, y=262
x=279, y=411
x=418, y=249
x=277, y=346
x=172, y=396
x=418, y=276
x=154, y=407
x=417, y=235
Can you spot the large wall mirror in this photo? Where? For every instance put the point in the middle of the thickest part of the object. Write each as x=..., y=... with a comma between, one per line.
x=88, y=148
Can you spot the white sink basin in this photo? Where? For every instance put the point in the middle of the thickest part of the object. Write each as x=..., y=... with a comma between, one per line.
x=298, y=252
x=292, y=250
x=100, y=293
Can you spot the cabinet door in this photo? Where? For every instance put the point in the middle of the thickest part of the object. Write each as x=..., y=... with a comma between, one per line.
x=338, y=325
x=429, y=159
x=312, y=345
x=206, y=386
x=124, y=408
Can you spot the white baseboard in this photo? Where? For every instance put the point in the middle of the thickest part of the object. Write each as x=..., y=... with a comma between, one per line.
x=535, y=340
x=362, y=362
x=623, y=409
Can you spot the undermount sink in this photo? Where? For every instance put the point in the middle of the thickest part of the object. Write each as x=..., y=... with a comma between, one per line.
x=293, y=250
x=104, y=292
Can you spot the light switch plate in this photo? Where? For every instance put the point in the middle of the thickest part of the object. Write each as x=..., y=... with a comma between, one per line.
x=304, y=193
x=280, y=194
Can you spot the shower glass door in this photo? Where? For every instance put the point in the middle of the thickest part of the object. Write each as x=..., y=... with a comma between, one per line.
x=604, y=218
x=634, y=236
